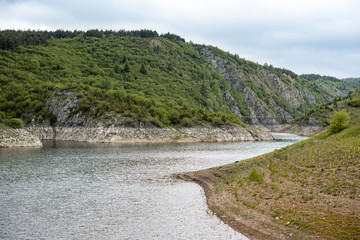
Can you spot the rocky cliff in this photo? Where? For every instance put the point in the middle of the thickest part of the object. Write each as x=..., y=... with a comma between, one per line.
x=272, y=100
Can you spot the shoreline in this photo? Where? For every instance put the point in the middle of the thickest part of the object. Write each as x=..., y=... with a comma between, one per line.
x=253, y=227
x=286, y=194
x=32, y=135
x=35, y=134
x=250, y=227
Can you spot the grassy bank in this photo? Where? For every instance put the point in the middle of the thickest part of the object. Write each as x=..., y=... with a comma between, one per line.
x=309, y=190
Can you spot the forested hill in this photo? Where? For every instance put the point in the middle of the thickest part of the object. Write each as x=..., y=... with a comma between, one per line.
x=141, y=77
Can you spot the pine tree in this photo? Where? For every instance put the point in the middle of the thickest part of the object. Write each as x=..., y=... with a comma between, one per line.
x=143, y=69
x=127, y=68
x=117, y=69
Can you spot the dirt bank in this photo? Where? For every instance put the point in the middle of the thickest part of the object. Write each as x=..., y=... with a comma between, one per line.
x=247, y=224
x=308, y=190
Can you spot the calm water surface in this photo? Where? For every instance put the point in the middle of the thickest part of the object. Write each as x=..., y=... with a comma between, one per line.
x=71, y=190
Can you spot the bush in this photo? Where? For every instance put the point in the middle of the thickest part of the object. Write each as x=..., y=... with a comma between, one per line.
x=355, y=102
x=2, y=116
x=187, y=122
x=157, y=122
x=84, y=105
x=339, y=121
x=256, y=175
x=14, y=123
x=174, y=117
x=217, y=122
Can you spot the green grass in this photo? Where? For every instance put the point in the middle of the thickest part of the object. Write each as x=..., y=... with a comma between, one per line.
x=256, y=175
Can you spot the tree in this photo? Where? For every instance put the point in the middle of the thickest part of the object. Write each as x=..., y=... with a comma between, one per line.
x=117, y=69
x=204, y=90
x=157, y=49
x=143, y=69
x=339, y=121
x=336, y=99
x=124, y=60
x=170, y=67
x=127, y=68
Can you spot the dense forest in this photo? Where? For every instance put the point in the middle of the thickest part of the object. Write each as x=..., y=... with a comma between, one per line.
x=144, y=77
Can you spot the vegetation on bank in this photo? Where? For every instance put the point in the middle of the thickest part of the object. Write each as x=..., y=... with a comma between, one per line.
x=309, y=190
x=143, y=76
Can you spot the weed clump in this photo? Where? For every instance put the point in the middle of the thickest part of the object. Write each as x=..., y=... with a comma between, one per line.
x=256, y=175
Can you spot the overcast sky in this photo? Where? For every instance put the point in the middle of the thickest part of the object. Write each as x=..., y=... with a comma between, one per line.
x=305, y=36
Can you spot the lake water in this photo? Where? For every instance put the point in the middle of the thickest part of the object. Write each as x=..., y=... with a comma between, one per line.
x=73, y=190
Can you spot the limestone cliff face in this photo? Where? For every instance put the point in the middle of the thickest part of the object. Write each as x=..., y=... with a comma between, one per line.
x=65, y=107
x=272, y=101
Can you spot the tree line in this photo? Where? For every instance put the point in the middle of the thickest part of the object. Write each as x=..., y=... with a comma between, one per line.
x=12, y=39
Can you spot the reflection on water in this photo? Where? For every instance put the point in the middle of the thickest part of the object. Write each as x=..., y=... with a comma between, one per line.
x=72, y=190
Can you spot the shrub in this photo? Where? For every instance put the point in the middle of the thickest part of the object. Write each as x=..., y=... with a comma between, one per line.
x=339, y=121
x=174, y=117
x=186, y=122
x=157, y=122
x=14, y=123
x=256, y=175
x=355, y=102
x=217, y=122
x=2, y=116
x=84, y=105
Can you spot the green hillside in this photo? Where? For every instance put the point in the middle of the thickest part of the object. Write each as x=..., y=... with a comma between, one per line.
x=140, y=77
x=146, y=79
x=309, y=190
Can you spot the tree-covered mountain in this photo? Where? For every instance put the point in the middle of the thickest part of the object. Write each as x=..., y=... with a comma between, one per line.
x=141, y=77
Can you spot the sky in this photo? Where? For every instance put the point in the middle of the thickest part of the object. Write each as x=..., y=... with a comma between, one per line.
x=305, y=36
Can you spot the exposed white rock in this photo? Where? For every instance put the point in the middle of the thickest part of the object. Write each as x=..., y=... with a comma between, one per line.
x=151, y=134
x=10, y=137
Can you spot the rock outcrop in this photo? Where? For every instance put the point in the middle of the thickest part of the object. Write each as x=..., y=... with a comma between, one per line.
x=10, y=137
x=272, y=100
